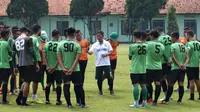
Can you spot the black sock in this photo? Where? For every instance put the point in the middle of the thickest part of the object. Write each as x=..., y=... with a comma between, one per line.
x=77, y=95
x=58, y=92
x=141, y=98
x=150, y=91
x=192, y=95
x=110, y=83
x=47, y=92
x=20, y=83
x=181, y=93
x=80, y=93
x=20, y=95
x=100, y=83
x=12, y=84
x=169, y=93
x=188, y=85
x=66, y=89
x=24, y=99
x=157, y=92
x=164, y=85
x=4, y=90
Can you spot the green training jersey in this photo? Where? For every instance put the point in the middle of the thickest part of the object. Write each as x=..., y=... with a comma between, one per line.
x=69, y=50
x=10, y=43
x=138, y=52
x=166, y=40
x=180, y=52
x=36, y=45
x=194, y=49
x=50, y=50
x=155, y=54
x=4, y=53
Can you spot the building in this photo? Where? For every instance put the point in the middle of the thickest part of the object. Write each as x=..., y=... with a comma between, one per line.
x=188, y=15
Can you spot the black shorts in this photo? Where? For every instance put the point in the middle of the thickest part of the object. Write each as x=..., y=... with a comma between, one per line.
x=75, y=77
x=176, y=75
x=154, y=75
x=138, y=78
x=27, y=73
x=38, y=77
x=193, y=73
x=103, y=70
x=55, y=76
x=11, y=67
x=113, y=64
x=166, y=69
x=4, y=74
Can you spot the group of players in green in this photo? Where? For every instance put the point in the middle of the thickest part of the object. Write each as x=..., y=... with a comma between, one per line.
x=158, y=57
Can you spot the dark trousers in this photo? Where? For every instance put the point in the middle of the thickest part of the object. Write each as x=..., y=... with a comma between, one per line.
x=83, y=65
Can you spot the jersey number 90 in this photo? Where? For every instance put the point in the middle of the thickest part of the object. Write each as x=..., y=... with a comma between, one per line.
x=142, y=50
x=68, y=47
x=19, y=44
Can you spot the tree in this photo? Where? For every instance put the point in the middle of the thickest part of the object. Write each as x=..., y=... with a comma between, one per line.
x=28, y=11
x=85, y=10
x=145, y=9
x=172, y=22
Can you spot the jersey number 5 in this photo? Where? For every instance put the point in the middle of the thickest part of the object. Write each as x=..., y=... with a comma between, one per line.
x=69, y=47
x=19, y=44
x=157, y=49
x=142, y=50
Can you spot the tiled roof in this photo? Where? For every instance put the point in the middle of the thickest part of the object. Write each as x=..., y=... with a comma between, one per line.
x=62, y=7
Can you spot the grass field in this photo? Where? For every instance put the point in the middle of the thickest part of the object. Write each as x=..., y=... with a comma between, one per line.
x=106, y=103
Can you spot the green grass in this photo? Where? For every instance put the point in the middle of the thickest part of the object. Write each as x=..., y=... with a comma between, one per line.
x=106, y=103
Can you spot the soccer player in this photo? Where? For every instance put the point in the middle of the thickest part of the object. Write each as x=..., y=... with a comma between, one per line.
x=114, y=42
x=38, y=75
x=103, y=50
x=84, y=56
x=180, y=60
x=166, y=40
x=193, y=65
x=154, y=65
x=27, y=63
x=53, y=70
x=16, y=34
x=138, y=54
x=5, y=52
x=68, y=54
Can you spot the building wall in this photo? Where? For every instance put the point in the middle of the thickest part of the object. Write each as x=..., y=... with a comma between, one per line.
x=109, y=24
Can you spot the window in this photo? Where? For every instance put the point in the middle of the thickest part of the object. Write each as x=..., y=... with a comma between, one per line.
x=144, y=25
x=95, y=26
x=61, y=25
x=159, y=23
x=192, y=24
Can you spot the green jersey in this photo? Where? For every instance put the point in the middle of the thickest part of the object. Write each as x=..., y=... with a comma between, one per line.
x=180, y=52
x=4, y=53
x=138, y=52
x=194, y=48
x=155, y=55
x=69, y=50
x=50, y=50
x=36, y=45
x=166, y=40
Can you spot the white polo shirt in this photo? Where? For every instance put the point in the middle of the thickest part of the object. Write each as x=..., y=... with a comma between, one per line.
x=99, y=50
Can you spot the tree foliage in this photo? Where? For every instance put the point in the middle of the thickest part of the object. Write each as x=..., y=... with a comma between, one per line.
x=172, y=22
x=28, y=11
x=86, y=10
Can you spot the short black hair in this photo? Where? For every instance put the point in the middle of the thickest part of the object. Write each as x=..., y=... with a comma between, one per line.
x=36, y=28
x=78, y=31
x=71, y=31
x=147, y=31
x=15, y=28
x=24, y=30
x=154, y=33
x=175, y=35
x=6, y=27
x=4, y=33
x=186, y=28
x=159, y=29
x=101, y=32
x=55, y=33
x=65, y=32
x=144, y=35
x=190, y=33
x=137, y=34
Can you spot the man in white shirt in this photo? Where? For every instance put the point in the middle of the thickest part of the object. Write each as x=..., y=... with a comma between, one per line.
x=102, y=50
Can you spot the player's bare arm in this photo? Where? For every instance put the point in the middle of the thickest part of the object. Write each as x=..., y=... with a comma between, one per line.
x=59, y=55
x=186, y=61
x=74, y=64
x=46, y=62
x=175, y=60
